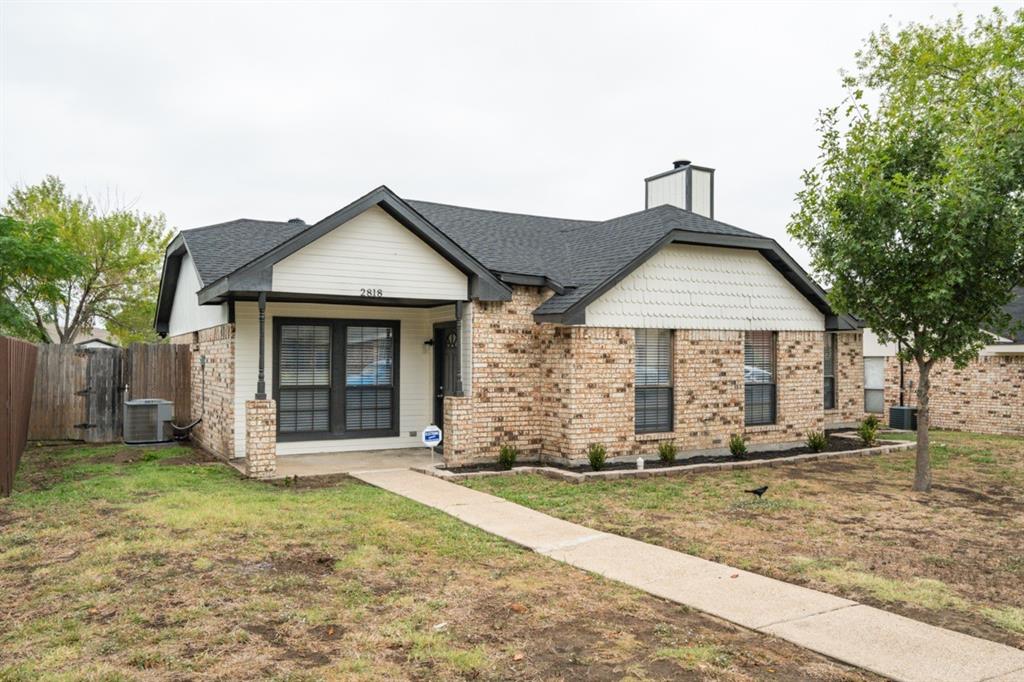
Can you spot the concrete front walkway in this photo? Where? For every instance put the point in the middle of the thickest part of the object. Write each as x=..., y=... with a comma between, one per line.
x=859, y=635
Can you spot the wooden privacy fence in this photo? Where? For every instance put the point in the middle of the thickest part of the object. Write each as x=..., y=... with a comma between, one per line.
x=17, y=370
x=80, y=392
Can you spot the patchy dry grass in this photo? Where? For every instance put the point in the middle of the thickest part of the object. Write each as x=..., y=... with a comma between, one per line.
x=954, y=557
x=153, y=564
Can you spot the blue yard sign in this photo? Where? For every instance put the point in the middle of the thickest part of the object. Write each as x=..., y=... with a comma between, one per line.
x=431, y=436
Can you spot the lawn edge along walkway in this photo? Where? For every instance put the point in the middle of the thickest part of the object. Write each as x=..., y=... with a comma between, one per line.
x=862, y=636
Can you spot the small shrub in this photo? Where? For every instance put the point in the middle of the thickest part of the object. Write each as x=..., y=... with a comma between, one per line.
x=817, y=441
x=868, y=430
x=667, y=452
x=873, y=420
x=737, y=446
x=507, y=456
x=597, y=454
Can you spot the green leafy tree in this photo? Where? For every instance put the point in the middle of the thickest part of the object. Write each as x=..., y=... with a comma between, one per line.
x=119, y=252
x=914, y=214
x=32, y=261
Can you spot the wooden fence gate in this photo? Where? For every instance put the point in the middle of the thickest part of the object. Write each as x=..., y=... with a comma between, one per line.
x=17, y=367
x=80, y=393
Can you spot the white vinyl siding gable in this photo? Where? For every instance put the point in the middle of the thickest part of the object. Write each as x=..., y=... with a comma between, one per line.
x=698, y=287
x=186, y=313
x=371, y=252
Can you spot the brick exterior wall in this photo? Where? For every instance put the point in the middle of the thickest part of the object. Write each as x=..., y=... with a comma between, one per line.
x=260, y=438
x=552, y=390
x=849, y=380
x=708, y=379
x=216, y=433
x=504, y=386
x=987, y=396
x=586, y=390
x=799, y=389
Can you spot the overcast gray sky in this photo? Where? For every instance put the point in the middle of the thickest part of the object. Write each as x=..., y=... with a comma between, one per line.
x=214, y=111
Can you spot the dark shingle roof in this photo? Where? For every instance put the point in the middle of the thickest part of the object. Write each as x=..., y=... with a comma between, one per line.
x=575, y=253
x=506, y=242
x=219, y=250
x=580, y=255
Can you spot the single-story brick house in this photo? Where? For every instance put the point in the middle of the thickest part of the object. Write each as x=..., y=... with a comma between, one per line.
x=987, y=396
x=355, y=332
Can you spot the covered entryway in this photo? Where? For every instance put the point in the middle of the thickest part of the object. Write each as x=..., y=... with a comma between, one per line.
x=447, y=379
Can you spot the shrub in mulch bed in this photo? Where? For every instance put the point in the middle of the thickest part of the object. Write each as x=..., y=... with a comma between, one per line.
x=834, y=445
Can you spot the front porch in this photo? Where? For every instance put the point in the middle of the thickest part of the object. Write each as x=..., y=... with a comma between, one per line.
x=331, y=387
x=330, y=463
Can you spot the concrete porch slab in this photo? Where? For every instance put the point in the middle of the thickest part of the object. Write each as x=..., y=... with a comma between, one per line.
x=328, y=463
x=901, y=648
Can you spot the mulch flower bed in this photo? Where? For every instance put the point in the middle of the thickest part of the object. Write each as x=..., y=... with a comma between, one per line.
x=835, y=444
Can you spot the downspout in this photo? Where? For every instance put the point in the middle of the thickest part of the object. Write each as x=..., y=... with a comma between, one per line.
x=899, y=351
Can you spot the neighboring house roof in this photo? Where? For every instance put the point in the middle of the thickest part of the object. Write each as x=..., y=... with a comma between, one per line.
x=96, y=341
x=1015, y=309
x=85, y=335
x=578, y=259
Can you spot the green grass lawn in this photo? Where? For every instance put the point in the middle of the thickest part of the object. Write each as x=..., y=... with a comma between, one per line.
x=120, y=563
x=954, y=557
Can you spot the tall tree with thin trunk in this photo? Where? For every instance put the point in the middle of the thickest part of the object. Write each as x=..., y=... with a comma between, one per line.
x=914, y=213
x=118, y=250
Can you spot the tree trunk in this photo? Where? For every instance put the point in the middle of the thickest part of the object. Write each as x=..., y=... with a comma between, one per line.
x=923, y=468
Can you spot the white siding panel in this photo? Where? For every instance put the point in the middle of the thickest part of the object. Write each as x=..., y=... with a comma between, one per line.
x=701, y=192
x=372, y=251
x=873, y=347
x=416, y=368
x=668, y=189
x=698, y=287
x=186, y=313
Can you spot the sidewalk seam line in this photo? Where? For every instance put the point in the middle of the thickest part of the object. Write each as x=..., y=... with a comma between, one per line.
x=809, y=615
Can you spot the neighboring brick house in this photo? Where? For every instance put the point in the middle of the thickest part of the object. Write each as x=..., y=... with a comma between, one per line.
x=548, y=334
x=987, y=396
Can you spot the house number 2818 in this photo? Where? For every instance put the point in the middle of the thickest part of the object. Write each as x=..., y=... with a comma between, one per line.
x=375, y=293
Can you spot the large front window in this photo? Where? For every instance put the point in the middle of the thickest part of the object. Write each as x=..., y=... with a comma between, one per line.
x=653, y=380
x=759, y=378
x=336, y=378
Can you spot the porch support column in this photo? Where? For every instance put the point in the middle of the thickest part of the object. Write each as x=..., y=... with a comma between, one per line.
x=458, y=335
x=261, y=384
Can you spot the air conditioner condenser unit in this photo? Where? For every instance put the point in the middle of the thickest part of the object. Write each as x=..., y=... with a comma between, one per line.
x=147, y=420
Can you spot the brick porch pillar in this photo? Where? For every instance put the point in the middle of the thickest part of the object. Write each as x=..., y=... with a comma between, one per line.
x=260, y=438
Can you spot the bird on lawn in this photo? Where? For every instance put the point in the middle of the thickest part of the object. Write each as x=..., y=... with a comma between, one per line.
x=758, y=491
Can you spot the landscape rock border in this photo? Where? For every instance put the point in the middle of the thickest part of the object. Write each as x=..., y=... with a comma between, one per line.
x=682, y=470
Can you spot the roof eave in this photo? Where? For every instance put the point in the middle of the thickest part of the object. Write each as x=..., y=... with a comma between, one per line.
x=169, y=274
